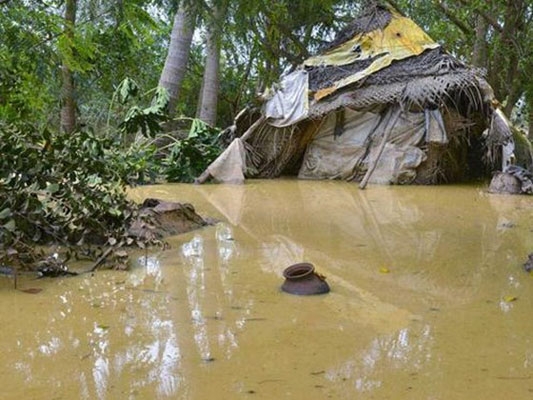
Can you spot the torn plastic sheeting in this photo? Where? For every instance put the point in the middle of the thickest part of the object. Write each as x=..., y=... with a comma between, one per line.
x=397, y=165
x=328, y=157
x=435, y=130
x=290, y=102
x=401, y=39
x=229, y=167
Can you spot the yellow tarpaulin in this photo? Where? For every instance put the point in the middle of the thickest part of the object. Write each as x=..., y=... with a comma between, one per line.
x=401, y=39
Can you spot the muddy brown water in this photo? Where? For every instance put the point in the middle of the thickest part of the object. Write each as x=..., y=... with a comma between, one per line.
x=429, y=301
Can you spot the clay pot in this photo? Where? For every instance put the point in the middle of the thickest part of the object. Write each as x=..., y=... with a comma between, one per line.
x=301, y=279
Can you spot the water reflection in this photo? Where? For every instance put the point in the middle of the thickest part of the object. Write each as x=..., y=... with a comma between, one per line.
x=207, y=271
x=407, y=352
x=428, y=298
x=196, y=291
x=100, y=370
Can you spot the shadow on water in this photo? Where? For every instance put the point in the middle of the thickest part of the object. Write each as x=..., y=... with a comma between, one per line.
x=428, y=301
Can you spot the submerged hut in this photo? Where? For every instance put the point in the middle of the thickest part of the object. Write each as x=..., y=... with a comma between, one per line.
x=382, y=103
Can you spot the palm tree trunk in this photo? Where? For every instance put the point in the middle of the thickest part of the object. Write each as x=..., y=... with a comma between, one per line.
x=68, y=102
x=208, y=100
x=178, y=53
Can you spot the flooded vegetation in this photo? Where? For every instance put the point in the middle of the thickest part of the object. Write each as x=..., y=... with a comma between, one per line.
x=429, y=300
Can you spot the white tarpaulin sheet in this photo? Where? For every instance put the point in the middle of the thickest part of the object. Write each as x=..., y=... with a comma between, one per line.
x=229, y=167
x=330, y=157
x=435, y=130
x=290, y=103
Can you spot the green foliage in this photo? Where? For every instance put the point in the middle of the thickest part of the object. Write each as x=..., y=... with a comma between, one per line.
x=138, y=164
x=180, y=161
x=189, y=157
x=58, y=187
x=110, y=40
x=27, y=64
x=129, y=41
x=127, y=89
x=283, y=33
x=146, y=120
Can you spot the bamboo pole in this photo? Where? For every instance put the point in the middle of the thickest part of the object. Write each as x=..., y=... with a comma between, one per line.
x=386, y=135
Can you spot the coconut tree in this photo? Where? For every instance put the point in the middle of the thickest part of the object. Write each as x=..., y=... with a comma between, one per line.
x=178, y=52
x=208, y=101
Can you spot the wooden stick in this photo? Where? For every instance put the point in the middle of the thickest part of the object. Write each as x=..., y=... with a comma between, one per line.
x=104, y=256
x=203, y=177
x=386, y=135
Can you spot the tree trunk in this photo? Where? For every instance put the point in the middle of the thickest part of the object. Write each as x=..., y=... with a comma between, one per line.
x=529, y=101
x=68, y=102
x=178, y=53
x=530, y=125
x=479, y=53
x=500, y=66
x=208, y=101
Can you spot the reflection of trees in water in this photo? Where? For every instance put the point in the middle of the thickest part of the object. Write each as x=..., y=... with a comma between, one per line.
x=143, y=339
x=157, y=337
x=217, y=312
x=406, y=352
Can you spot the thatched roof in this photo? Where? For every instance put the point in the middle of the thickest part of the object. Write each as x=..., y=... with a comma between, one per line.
x=421, y=80
x=375, y=17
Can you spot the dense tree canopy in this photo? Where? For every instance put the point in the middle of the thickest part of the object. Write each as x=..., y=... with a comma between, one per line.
x=236, y=49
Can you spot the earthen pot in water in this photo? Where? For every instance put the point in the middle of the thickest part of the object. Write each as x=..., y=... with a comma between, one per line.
x=301, y=279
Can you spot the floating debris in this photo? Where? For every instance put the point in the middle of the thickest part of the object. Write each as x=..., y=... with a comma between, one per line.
x=509, y=299
x=31, y=290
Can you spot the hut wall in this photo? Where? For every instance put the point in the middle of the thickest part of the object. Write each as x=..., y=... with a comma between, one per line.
x=348, y=155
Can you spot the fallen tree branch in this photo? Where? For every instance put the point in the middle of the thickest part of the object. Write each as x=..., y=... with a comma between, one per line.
x=252, y=128
x=102, y=258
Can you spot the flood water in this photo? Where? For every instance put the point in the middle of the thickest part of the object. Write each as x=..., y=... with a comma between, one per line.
x=429, y=300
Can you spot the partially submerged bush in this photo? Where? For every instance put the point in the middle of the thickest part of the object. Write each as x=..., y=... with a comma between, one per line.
x=70, y=188
x=57, y=187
